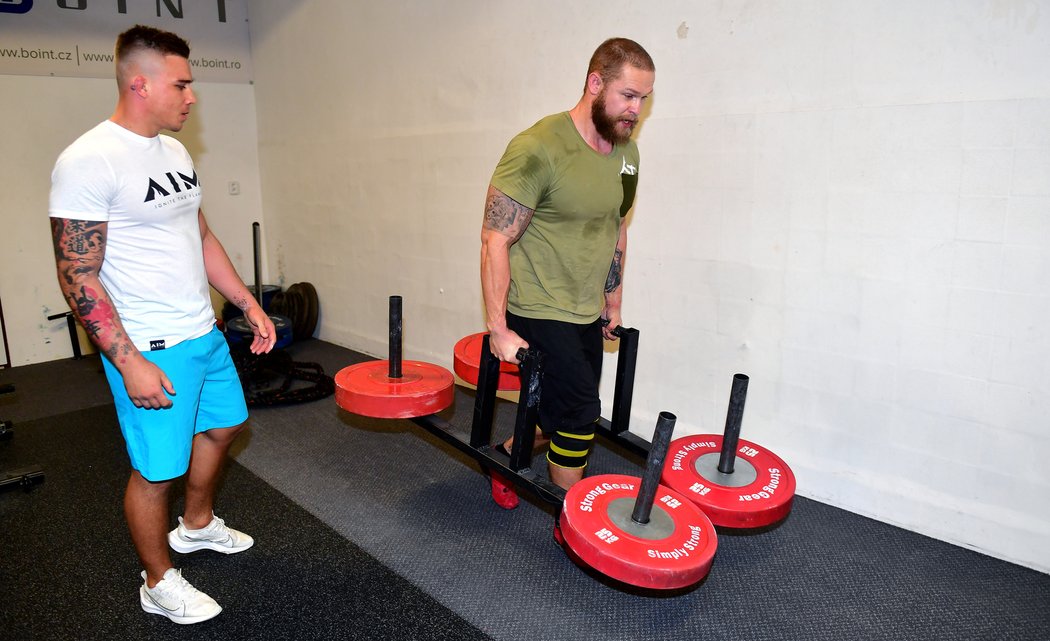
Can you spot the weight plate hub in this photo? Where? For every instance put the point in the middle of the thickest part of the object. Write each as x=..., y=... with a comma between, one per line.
x=674, y=550
x=467, y=359
x=367, y=389
x=759, y=492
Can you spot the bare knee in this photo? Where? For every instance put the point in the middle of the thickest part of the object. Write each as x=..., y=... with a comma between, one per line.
x=140, y=486
x=223, y=435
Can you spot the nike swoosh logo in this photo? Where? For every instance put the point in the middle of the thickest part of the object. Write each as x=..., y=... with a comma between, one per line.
x=227, y=541
x=161, y=605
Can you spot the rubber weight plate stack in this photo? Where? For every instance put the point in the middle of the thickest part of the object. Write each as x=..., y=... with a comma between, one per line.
x=466, y=359
x=636, y=530
x=394, y=388
x=313, y=309
x=738, y=483
x=299, y=303
x=757, y=493
x=673, y=550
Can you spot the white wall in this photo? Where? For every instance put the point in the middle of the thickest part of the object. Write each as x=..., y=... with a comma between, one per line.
x=846, y=200
x=39, y=117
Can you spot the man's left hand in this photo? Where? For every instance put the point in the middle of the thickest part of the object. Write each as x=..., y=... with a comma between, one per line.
x=614, y=321
x=262, y=328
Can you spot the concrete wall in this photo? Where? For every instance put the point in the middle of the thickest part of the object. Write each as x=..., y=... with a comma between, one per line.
x=846, y=200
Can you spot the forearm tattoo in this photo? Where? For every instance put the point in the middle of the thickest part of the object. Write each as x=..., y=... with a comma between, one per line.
x=506, y=215
x=615, y=273
x=79, y=247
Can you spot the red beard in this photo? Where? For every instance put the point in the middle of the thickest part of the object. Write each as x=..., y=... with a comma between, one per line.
x=612, y=129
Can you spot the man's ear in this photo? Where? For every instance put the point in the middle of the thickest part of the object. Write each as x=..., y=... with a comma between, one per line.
x=594, y=83
x=139, y=85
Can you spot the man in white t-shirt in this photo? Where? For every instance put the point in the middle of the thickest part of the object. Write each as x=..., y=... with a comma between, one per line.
x=135, y=258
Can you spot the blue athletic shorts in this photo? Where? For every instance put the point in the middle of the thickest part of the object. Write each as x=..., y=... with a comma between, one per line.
x=208, y=395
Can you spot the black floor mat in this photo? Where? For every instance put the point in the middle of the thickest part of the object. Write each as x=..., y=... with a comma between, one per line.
x=68, y=570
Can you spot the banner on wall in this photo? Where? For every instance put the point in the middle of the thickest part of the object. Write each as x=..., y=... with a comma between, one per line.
x=75, y=37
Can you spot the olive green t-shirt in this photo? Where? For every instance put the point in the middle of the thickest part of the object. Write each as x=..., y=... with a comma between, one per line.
x=559, y=266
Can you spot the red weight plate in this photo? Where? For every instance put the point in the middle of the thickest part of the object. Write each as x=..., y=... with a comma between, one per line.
x=367, y=389
x=467, y=359
x=759, y=492
x=674, y=550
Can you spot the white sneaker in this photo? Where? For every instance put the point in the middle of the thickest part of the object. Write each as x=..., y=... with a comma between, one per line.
x=176, y=599
x=215, y=536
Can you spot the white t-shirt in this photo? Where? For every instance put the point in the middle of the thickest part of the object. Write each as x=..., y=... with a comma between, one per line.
x=146, y=189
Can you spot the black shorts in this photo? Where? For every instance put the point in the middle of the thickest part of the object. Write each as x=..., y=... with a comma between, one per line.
x=572, y=367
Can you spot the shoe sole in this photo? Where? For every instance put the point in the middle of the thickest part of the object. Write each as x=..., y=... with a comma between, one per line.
x=503, y=494
x=185, y=547
x=149, y=607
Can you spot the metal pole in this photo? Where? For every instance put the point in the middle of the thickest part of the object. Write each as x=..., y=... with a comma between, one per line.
x=258, y=264
x=485, y=398
x=624, y=388
x=3, y=331
x=395, y=337
x=733, y=419
x=530, y=363
x=74, y=338
x=654, y=467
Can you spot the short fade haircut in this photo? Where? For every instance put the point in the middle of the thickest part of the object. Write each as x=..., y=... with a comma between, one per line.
x=142, y=38
x=611, y=56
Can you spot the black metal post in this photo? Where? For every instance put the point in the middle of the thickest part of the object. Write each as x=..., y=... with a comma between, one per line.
x=395, y=337
x=734, y=417
x=3, y=332
x=258, y=264
x=624, y=387
x=485, y=397
x=654, y=467
x=531, y=368
x=74, y=339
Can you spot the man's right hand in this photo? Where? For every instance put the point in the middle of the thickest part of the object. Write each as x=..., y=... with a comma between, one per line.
x=146, y=384
x=505, y=345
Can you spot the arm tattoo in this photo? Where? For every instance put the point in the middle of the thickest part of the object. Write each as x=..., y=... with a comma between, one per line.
x=615, y=273
x=80, y=246
x=506, y=215
x=96, y=315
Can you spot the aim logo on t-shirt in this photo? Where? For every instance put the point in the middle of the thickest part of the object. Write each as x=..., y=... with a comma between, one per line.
x=155, y=188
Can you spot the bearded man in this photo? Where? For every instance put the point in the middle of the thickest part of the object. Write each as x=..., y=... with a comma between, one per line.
x=552, y=249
